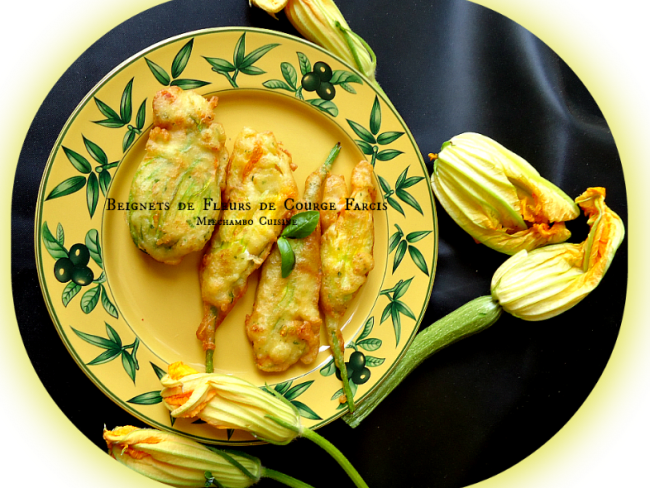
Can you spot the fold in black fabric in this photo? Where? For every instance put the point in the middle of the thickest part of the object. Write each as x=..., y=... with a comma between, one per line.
x=449, y=66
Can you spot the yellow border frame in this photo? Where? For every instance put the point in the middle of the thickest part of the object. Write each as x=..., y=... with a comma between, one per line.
x=573, y=457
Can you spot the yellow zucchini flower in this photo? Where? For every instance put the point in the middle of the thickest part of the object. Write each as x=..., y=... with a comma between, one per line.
x=178, y=461
x=545, y=282
x=321, y=22
x=497, y=197
x=227, y=402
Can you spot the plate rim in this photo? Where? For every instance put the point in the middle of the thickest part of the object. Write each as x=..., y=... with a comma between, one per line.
x=50, y=162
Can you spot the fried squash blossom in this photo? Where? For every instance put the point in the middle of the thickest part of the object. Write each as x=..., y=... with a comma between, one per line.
x=184, y=163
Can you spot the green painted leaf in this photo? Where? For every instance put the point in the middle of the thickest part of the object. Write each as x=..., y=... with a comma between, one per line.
x=348, y=88
x=92, y=193
x=402, y=176
x=106, y=111
x=353, y=389
x=373, y=362
x=252, y=71
x=367, y=329
x=281, y=388
x=388, y=137
x=408, y=199
x=299, y=94
x=325, y=106
x=369, y=344
x=329, y=369
x=95, y=340
x=401, y=288
x=403, y=308
x=129, y=137
x=220, y=65
x=141, y=115
x=342, y=76
x=305, y=65
x=388, y=154
x=289, y=74
x=126, y=104
x=305, y=411
x=104, y=182
x=302, y=224
x=255, y=55
x=136, y=343
x=69, y=292
x=52, y=245
x=386, y=313
x=397, y=322
x=158, y=370
x=419, y=260
x=129, y=365
x=110, y=123
x=159, y=73
x=189, y=84
x=364, y=146
x=394, y=241
x=89, y=299
x=240, y=49
x=395, y=204
x=113, y=335
x=105, y=357
x=417, y=236
x=375, y=116
x=95, y=151
x=94, y=248
x=411, y=181
x=298, y=390
x=101, y=279
x=149, y=398
x=399, y=255
x=108, y=305
x=182, y=58
x=67, y=187
x=338, y=394
x=385, y=186
x=80, y=163
x=277, y=85
x=287, y=255
x=362, y=132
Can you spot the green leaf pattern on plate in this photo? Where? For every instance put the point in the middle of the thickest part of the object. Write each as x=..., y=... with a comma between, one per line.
x=290, y=393
x=113, y=348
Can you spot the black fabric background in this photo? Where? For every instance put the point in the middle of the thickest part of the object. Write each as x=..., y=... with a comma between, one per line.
x=480, y=406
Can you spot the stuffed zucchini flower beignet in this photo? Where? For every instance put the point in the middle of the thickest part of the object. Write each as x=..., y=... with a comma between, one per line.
x=346, y=254
x=260, y=180
x=285, y=324
x=185, y=161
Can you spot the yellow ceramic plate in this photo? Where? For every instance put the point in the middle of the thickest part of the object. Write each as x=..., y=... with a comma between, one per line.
x=125, y=317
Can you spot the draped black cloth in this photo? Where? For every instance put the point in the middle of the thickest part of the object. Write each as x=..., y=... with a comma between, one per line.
x=448, y=66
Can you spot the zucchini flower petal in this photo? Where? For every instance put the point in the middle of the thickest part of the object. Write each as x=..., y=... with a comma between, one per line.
x=178, y=461
x=272, y=7
x=498, y=197
x=545, y=282
x=227, y=402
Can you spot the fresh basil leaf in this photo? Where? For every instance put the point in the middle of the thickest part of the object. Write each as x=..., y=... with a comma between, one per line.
x=287, y=255
x=302, y=225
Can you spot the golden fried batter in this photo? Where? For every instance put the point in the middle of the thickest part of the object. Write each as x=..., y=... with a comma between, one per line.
x=184, y=162
x=260, y=174
x=285, y=324
x=346, y=252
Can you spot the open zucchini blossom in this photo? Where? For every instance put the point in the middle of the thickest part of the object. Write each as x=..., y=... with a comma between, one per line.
x=178, y=461
x=545, y=282
x=227, y=402
x=321, y=22
x=497, y=197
